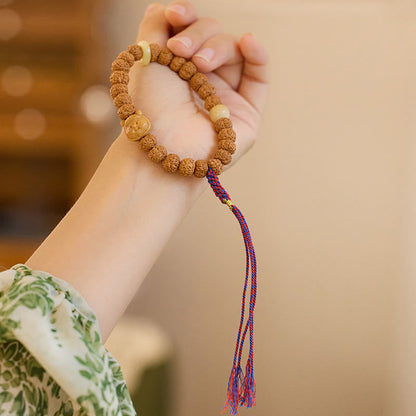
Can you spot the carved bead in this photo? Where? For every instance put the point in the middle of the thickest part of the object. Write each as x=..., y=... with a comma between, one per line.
x=119, y=77
x=136, y=126
x=154, y=51
x=201, y=168
x=171, y=163
x=120, y=65
x=157, y=153
x=188, y=69
x=227, y=134
x=211, y=101
x=197, y=80
x=126, y=110
x=148, y=142
x=215, y=165
x=206, y=90
x=228, y=145
x=187, y=167
x=177, y=63
x=219, y=111
x=223, y=155
x=136, y=51
x=122, y=99
x=127, y=56
x=117, y=89
x=223, y=123
x=165, y=56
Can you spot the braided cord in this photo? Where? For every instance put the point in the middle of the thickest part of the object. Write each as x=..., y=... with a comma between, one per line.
x=241, y=388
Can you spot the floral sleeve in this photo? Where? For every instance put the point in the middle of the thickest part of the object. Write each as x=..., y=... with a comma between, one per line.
x=52, y=359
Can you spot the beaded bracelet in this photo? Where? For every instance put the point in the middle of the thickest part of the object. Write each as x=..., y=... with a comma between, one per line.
x=241, y=388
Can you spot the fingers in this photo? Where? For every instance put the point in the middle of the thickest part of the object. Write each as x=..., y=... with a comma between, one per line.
x=187, y=42
x=180, y=14
x=154, y=27
x=256, y=72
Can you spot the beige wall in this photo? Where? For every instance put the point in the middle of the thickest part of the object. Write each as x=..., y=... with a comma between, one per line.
x=328, y=192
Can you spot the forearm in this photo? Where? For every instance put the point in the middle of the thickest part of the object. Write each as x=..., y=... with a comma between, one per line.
x=109, y=240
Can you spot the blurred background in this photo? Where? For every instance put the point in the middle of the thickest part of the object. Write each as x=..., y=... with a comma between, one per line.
x=331, y=207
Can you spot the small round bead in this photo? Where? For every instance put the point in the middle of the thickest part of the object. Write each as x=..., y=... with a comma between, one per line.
x=215, y=165
x=206, y=90
x=148, y=142
x=223, y=155
x=154, y=51
x=228, y=145
x=136, y=51
x=120, y=65
x=227, y=134
x=127, y=56
x=157, y=153
x=126, y=110
x=223, y=123
x=212, y=101
x=177, y=63
x=219, y=111
x=165, y=56
x=119, y=77
x=201, y=168
x=122, y=99
x=171, y=163
x=188, y=70
x=187, y=166
x=197, y=80
x=117, y=89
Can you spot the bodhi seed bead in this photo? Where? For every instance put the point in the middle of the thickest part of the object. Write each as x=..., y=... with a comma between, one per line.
x=126, y=110
x=228, y=145
x=177, y=63
x=201, y=168
x=165, y=56
x=157, y=153
x=120, y=65
x=223, y=155
x=154, y=52
x=206, y=90
x=148, y=142
x=171, y=163
x=187, y=167
x=212, y=101
x=219, y=111
x=117, y=89
x=122, y=99
x=188, y=69
x=216, y=166
x=222, y=123
x=127, y=56
x=136, y=51
x=119, y=77
x=227, y=134
x=197, y=80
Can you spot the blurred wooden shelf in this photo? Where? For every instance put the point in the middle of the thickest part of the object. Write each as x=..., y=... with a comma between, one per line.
x=14, y=250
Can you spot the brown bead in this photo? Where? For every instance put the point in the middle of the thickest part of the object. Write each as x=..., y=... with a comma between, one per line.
x=228, y=145
x=188, y=70
x=201, y=168
x=157, y=153
x=211, y=101
x=126, y=110
x=215, y=165
x=171, y=163
x=223, y=123
x=177, y=63
x=227, y=134
x=120, y=65
x=154, y=52
x=117, y=89
x=197, y=80
x=119, y=77
x=223, y=155
x=206, y=90
x=136, y=51
x=122, y=99
x=148, y=142
x=165, y=56
x=187, y=167
x=127, y=56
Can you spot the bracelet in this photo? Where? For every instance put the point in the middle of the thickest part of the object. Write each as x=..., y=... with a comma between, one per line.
x=137, y=126
x=241, y=387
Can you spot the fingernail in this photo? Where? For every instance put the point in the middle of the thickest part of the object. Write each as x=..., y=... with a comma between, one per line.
x=177, y=9
x=207, y=54
x=184, y=40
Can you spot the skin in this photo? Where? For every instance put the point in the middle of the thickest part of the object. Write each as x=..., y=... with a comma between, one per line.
x=109, y=240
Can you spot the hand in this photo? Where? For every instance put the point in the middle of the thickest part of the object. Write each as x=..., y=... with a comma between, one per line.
x=239, y=71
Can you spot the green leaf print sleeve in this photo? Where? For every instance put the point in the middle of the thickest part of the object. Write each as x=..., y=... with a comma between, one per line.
x=52, y=359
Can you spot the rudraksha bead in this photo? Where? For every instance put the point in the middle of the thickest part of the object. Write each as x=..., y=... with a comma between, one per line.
x=223, y=123
x=148, y=142
x=171, y=163
x=227, y=134
x=188, y=69
x=223, y=155
x=136, y=51
x=187, y=166
x=126, y=110
x=177, y=63
x=165, y=57
x=117, y=89
x=120, y=65
x=122, y=99
x=211, y=101
x=206, y=90
x=154, y=52
x=201, y=168
x=228, y=145
x=157, y=153
x=215, y=165
x=197, y=80
x=119, y=77
x=127, y=56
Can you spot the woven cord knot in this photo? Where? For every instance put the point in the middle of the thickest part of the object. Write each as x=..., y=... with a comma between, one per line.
x=241, y=388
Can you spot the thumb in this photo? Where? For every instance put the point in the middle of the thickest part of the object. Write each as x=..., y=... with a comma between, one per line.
x=154, y=27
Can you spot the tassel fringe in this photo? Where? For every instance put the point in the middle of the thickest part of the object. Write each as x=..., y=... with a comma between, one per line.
x=241, y=388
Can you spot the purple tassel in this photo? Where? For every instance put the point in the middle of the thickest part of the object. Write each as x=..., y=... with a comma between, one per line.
x=241, y=388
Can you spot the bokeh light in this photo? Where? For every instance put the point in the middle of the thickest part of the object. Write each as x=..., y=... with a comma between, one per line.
x=30, y=123
x=17, y=80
